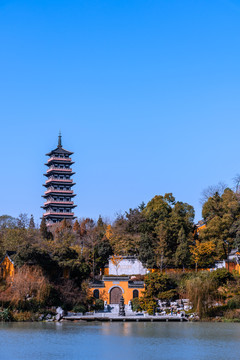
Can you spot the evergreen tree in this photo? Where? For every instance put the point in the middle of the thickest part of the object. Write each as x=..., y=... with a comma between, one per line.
x=43, y=229
x=31, y=223
x=182, y=254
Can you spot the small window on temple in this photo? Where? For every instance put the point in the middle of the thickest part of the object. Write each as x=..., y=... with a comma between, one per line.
x=96, y=294
x=135, y=294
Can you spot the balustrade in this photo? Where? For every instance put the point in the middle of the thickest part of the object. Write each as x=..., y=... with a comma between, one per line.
x=57, y=158
x=59, y=169
x=60, y=180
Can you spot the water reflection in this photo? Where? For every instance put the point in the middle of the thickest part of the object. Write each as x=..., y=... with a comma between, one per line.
x=150, y=341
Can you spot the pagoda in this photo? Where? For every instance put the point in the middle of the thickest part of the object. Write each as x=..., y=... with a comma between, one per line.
x=58, y=196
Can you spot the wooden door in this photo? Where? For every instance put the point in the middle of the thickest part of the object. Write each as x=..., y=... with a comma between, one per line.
x=115, y=295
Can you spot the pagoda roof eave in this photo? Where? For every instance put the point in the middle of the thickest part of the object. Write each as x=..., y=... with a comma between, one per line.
x=59, y=150
x=60, y=193
x=59, y=216
x=58, y=183
x=59, y=160
x=59, y=173
x=58, y=206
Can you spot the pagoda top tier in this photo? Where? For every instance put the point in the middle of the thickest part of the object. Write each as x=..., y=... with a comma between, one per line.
x=59, y=150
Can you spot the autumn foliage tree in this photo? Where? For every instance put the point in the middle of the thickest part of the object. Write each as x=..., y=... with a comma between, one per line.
x=28, y=283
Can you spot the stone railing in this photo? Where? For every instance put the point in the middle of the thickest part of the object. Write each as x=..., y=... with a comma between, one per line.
x=58, y=213
x=59, y=169
x=58, y=202
x=60, y=180
x=57, y=158
x=58, y=190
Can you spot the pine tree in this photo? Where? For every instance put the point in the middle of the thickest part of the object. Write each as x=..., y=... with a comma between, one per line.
x=31, y=223
x=182, y=254
x=43, y=229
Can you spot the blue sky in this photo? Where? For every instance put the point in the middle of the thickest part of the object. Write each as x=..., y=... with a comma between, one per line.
x=146, y=94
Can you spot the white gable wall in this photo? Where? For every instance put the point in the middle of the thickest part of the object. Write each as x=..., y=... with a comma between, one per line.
x=127, y=266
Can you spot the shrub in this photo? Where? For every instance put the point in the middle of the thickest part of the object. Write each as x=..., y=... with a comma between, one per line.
x=234, y=303
x=136, y=304
x=29, y=305
x=232, y=315
x=221, y=276
x=216, y=311
x=99, y=304
x=151, y=307
x=201, y=291
x=5, y=315
x=80, y=308
x=23, y=316
x=168, y=295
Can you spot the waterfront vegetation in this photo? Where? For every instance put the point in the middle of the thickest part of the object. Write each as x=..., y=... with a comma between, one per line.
x=54, y=268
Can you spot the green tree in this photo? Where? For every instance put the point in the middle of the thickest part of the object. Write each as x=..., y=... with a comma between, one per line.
x=182, y=254
x=146, y=250
x=31, y=223
x=43, y=229
x=221, y=214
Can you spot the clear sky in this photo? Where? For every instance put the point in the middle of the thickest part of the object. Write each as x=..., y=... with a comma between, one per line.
x=146, y=94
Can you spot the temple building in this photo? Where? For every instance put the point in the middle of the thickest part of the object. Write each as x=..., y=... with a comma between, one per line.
x=122, y=277
x=58, y=196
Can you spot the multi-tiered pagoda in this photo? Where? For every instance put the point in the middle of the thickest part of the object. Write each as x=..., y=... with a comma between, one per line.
x=58, y=195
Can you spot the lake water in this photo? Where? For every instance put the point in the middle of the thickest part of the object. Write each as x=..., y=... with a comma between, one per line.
x=103, y=341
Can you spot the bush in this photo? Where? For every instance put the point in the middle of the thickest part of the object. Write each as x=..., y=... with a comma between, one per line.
x=221, y=276
x=168, y=295
x=23, y=316
x=232, y=315
x=99, y=304
x=80, y=308
x=234, y=303
x=216, y=311
x=5, y=315
x=136, y=304
x=28, y=305
x=151, y=307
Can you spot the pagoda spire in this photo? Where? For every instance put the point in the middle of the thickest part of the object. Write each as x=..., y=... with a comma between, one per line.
x=60, y=139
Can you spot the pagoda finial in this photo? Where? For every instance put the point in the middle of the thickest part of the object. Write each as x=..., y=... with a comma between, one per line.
x=59, y=139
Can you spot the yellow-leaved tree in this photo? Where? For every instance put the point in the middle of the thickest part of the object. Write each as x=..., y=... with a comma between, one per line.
x=203, y=253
